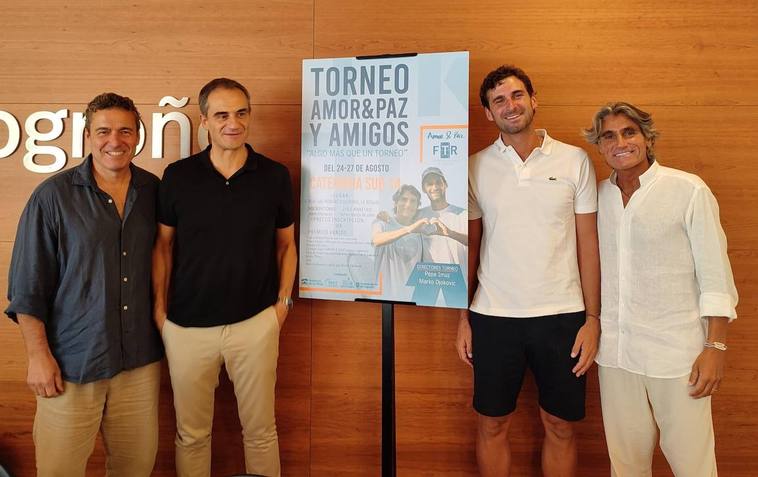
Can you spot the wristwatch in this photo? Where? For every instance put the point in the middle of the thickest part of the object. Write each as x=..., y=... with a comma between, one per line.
x=287, y=301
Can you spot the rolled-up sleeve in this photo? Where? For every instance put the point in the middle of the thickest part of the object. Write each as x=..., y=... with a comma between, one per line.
x=33, y=274
x=718, y=294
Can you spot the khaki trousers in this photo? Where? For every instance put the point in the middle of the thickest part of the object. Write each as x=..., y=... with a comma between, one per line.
x=249, y=350
x=635, y=407
x=124, y=408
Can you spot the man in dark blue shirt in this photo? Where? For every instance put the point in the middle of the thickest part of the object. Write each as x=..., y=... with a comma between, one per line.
x=79, y=288
x=223, y=270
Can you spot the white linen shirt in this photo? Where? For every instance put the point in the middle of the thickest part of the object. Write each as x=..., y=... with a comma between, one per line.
x=664, y=267
x=528, y=261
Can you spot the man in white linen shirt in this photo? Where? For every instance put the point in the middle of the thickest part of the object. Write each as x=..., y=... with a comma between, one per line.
x=667, y=295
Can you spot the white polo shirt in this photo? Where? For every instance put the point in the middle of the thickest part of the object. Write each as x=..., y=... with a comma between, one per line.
x=528, y=261
x=663, y=268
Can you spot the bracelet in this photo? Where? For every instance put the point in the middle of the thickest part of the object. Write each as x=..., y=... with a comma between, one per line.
x=716, y=345
x=286, y=301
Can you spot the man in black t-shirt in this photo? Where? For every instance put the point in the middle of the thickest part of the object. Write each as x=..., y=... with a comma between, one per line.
x=223, y=268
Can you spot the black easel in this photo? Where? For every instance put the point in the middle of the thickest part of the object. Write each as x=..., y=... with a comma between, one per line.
x=389, y=447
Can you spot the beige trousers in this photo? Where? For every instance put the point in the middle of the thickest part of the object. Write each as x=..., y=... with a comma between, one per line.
x=124, y=408
x=249, y=350
x=635, y=407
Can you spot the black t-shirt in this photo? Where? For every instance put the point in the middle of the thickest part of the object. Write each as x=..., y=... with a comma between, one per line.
x=224, y=265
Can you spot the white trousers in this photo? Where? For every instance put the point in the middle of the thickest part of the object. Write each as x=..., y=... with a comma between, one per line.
x=636, y=407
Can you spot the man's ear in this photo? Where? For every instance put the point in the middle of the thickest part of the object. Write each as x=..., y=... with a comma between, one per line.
x=489, y=115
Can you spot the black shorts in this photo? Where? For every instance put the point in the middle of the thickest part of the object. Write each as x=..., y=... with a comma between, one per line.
x=504, y=347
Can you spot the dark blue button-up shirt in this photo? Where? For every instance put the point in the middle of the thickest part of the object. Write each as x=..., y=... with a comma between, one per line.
x=85, y=273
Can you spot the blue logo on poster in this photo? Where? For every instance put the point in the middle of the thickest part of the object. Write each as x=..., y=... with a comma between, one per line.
x=445, y=150
x=431, y=278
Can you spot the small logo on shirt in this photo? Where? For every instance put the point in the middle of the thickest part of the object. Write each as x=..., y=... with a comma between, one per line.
x=551, y=178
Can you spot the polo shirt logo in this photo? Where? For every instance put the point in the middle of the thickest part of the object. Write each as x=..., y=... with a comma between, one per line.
x=552, y=178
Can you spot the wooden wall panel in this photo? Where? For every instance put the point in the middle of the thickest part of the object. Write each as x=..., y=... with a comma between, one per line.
x=67, y=52
x=692, y=64
x=690, y=53
x=346, y=388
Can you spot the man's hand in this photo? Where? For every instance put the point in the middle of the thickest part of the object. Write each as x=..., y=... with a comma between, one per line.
x=707, y=372
x=383, y=215
x=463, y=341
x=418, y=226
x=439, y=227
x=159, y=317
x=44, y=375
x=282, y=311
x=585, y=345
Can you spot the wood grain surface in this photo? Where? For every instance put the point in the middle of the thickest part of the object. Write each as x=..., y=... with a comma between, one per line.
x=694, y=65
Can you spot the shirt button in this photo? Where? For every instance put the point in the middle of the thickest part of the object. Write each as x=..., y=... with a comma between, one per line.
x=227, y=182
x=110, y=201
x=126, y=279
x=126, y=307
x=123, y=253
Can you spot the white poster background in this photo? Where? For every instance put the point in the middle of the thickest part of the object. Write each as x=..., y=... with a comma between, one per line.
x=370, y=126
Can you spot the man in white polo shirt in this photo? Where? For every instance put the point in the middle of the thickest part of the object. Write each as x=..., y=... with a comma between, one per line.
x=532, y=212
x=667, y=297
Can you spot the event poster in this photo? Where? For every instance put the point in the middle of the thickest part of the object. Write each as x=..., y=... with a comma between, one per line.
x=385, y=179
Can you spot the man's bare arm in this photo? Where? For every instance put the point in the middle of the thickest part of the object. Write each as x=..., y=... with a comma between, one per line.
x=708, y=369
x=163, y=259
x=286, y=256
x=588, y=256
x=463, y=340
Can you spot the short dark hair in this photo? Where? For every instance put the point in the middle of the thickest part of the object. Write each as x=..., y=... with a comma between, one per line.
x=642, y=119
x=215, y=84
x=402, y=190
x=110, y=101
x=496, y=76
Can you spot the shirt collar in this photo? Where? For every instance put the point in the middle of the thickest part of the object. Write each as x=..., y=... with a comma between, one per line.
x=83, y=173
x=251, y=163
x=545, y=148
x=83, y=176
x=645, y=178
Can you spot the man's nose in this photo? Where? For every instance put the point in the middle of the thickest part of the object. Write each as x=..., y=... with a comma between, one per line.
x=113, y=138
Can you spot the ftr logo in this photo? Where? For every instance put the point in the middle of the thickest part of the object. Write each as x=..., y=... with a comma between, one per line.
x=445, y=150
x=443, y=142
